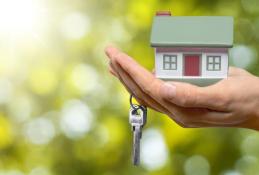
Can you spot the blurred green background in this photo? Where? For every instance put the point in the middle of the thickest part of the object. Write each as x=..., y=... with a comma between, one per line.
x=62, y=113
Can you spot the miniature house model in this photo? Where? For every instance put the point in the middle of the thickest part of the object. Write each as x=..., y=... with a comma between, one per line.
x=191, y=49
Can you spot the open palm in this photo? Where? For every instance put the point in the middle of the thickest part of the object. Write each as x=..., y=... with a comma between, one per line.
x=231, y=102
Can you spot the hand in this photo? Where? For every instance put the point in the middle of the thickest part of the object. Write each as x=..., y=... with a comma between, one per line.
x=232, y=102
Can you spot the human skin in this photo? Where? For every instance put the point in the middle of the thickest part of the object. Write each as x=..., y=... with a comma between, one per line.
x=232, y=102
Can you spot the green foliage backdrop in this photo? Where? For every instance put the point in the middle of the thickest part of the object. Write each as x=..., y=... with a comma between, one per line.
x=62, y=113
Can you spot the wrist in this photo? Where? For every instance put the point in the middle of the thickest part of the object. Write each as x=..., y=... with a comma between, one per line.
x=252, y=112
x=251, y=123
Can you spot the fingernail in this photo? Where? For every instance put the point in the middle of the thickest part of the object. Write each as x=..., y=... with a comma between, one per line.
x=168, y=90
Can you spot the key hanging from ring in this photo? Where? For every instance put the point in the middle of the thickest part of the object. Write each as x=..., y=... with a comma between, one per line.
x=137, y=119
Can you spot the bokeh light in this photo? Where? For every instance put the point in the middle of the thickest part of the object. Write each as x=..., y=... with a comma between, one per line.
x=18, y=15
x=250, y=144
x=21, y=108
x=197, y=165
x=5, y=91
x=39, y=171
x=243, y=56
x=39, y=131
x=76, y=119
x=247, y=165
x=153, y=148
x=6, y=132
x=75, y=25
x=42, y=80
x=233, y=172
x=251, y=6
x=85, y=78
x=11, y=172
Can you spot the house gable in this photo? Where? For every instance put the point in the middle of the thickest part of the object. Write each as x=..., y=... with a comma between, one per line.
x=192, y=31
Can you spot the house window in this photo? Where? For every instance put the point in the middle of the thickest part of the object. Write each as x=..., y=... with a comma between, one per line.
x=169, y=62
x=213, y=63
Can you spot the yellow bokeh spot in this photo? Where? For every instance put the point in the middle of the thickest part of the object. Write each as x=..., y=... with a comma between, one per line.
x=6, y=136
x=139, y=13
x=175, y=134
x=42, y=81
x=116, y=130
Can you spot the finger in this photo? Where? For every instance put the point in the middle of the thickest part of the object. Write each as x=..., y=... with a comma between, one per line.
x=235, y=71
x=154, y=72
x=141, y=102
x=197, y=117
x=187, y=95
x=113, y=72
x=130, y=92
x=142, y=98
x=136, y=91
x=148, y=101
x=143, y=78
x=110, y=51
x=138, y=99
x=219, y=119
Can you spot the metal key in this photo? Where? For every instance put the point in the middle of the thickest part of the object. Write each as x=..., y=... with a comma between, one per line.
x=137, y=119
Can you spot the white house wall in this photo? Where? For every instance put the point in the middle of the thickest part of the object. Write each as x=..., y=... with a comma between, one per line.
x=168, y=73
x=224, y=65
x=160, y=73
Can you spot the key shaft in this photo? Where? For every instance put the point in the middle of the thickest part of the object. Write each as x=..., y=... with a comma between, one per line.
x=136, y=146
x=137, y=119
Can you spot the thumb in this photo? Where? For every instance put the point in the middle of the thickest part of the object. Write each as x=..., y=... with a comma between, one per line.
x=187, y=95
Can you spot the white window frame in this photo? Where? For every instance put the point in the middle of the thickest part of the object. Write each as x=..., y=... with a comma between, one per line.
x=169, y=62
x=213, y=63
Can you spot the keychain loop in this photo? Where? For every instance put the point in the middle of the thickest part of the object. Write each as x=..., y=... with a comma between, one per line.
x=136, y=106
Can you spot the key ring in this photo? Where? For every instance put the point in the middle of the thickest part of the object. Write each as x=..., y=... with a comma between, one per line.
x=135, y=106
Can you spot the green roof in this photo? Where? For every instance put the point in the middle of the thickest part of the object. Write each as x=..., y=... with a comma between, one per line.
x=203, y=31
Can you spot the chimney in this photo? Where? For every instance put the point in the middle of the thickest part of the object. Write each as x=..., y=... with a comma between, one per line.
x=163, y=13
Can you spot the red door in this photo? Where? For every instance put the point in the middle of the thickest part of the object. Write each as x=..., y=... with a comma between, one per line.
x=192, y=65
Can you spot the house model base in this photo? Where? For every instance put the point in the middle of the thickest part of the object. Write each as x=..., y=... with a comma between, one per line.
x=191, y=49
